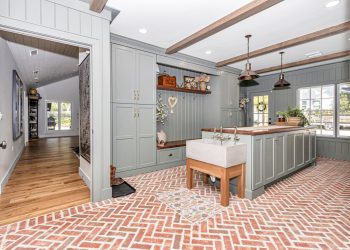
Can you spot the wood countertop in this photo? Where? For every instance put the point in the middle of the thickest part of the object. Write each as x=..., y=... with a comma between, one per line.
x=259, y=130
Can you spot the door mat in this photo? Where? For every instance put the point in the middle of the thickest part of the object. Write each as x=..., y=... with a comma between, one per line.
x=190, y=205
x=122, y=189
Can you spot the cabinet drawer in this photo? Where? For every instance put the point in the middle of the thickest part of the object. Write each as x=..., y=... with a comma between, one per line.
x=169, y=155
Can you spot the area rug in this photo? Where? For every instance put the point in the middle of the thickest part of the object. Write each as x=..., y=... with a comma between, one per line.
x=190, y=205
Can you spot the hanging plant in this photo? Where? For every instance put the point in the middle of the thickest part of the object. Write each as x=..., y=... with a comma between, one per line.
x=162, y=111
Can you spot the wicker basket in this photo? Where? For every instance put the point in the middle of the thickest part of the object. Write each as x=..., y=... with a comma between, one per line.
x=294, y=121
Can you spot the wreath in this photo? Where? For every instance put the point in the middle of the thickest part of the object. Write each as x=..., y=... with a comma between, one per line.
x=261, y=106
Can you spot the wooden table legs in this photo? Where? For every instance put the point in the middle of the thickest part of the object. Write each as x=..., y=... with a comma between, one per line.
x=225, y=174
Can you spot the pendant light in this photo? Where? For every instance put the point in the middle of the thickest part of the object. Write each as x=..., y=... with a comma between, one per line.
x=248, y=75
x=281, y=83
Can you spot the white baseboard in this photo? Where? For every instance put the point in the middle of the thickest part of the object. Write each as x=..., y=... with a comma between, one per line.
x=10, y=170
x=85, y=178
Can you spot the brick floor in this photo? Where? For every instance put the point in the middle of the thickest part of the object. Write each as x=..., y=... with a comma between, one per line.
x=309, y=210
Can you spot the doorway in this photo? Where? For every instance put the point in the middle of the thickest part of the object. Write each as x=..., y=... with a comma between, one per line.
x=44, y=169
x=260, y=109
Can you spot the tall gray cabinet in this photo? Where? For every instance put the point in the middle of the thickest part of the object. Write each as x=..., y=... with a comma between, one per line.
x=133, y=107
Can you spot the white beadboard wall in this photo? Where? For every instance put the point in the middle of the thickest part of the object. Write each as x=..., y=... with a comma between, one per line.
x=71, y=22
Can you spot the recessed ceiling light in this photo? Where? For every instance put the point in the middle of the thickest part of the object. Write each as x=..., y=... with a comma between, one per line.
x=208, y=52
x=143, y=31
x=314, y=54
x=332, y=3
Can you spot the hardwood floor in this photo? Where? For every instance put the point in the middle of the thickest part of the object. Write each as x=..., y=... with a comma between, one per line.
x=45, y=179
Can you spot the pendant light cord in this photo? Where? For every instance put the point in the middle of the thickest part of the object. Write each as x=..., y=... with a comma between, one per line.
x=281, y=62
x=248, y=50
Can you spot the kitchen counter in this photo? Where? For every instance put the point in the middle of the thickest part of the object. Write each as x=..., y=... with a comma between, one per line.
x=259, y=130
x=273, y=152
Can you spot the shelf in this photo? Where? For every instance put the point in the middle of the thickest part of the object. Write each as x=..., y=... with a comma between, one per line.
x=173, y=144
x=194, y=91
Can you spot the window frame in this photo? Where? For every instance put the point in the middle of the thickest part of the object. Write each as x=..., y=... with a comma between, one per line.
x=59, y=116
x=335, y=105
x=338, y=111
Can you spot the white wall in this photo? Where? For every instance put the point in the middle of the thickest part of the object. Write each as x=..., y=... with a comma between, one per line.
x=10, y=155
x=62, y=91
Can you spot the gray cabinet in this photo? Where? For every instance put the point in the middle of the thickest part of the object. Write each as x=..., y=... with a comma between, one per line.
x=278, y=156
x=313, y=145
x=133, y=76
x=229, y=91
x=299, y=149
x=229, y=117
x=269, y=159
x=257, y=162
x=133, y=136
x=289, y=153
x=307, y=157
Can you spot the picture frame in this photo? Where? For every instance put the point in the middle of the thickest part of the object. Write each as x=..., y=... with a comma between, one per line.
x=17, y=106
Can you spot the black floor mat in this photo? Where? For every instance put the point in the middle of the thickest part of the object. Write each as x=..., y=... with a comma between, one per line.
x=122, y=190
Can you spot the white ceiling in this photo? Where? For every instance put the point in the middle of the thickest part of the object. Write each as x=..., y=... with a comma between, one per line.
x=169, y=21
x=55, y=61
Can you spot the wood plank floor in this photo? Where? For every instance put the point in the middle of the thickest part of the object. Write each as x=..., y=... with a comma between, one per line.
x=45, y=180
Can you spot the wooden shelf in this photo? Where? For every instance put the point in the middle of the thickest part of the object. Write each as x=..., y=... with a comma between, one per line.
x=194, y=91
x=173, y=144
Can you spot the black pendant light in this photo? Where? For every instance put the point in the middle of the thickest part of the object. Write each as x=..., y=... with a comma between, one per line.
x=248, y=75
x=281, y=83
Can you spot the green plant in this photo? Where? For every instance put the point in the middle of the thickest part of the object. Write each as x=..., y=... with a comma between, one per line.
x=282, y=114
x=297, y=112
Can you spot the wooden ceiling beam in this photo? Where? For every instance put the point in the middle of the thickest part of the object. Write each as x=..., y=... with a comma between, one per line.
x=242, y=13
x=98, y=5
x=330, y=31
x=306, y=61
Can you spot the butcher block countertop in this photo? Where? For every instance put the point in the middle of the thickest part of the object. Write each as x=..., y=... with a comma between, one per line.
x=259, y=130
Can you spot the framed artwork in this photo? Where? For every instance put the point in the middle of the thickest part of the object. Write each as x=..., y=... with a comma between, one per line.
x=17, y=106
x=188, y=82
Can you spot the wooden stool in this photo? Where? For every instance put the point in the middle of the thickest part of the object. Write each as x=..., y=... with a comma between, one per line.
x=225, y=174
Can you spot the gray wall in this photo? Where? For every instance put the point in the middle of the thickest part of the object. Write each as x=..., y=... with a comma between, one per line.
x=187, y=120
x=280, y=100
x=12, y=153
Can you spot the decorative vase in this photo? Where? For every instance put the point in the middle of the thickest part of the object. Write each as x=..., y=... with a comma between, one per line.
x=203, y=86
x=33, y=91
x=161, y=137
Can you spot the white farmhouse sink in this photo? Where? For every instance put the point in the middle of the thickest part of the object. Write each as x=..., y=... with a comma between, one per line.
x=207, y=150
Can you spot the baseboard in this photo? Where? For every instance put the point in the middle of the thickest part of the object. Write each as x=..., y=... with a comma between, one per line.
x=57, y=135
x=10, y=170
x=85, y=178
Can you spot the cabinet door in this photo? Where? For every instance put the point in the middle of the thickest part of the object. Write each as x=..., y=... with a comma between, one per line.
x=233, y=91
x=123, y=74
x=269, y=169
x=229, y=118
x=257, y=162
x=278, y=156
x=146, y=68
x=299, y=149
x=307, y=147
x=313, y=145
x=290, y=164
x=146, y=135
x=229, y=90
x=124, y=137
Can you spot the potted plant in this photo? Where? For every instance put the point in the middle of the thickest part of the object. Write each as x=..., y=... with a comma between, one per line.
x=282, y=116
x=296, y=117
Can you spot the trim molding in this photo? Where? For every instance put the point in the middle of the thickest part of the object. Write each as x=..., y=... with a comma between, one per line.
x=85, y=178
x=10, y=170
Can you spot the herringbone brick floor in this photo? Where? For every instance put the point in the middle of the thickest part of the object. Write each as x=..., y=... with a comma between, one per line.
x=309, y=210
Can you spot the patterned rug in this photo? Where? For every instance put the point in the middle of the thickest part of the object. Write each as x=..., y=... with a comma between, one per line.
x=190, y=205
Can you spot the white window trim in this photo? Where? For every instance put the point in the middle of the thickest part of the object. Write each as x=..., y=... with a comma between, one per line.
x=59, y=117
x=337, y=111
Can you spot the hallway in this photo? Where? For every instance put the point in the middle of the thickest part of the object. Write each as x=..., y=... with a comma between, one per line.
x=45, y=179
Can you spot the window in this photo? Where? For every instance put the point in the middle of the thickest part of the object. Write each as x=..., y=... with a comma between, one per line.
x=58, y=115
x=317, y=104
x=344, y=109
x=261, y=110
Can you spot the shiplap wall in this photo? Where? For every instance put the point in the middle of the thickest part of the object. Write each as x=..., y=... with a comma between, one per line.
x=187, y=120
x=327, y=74
x=71, y=22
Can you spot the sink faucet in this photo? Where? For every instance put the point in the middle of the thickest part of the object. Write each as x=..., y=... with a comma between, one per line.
x=235, y=138
x=220, y=136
